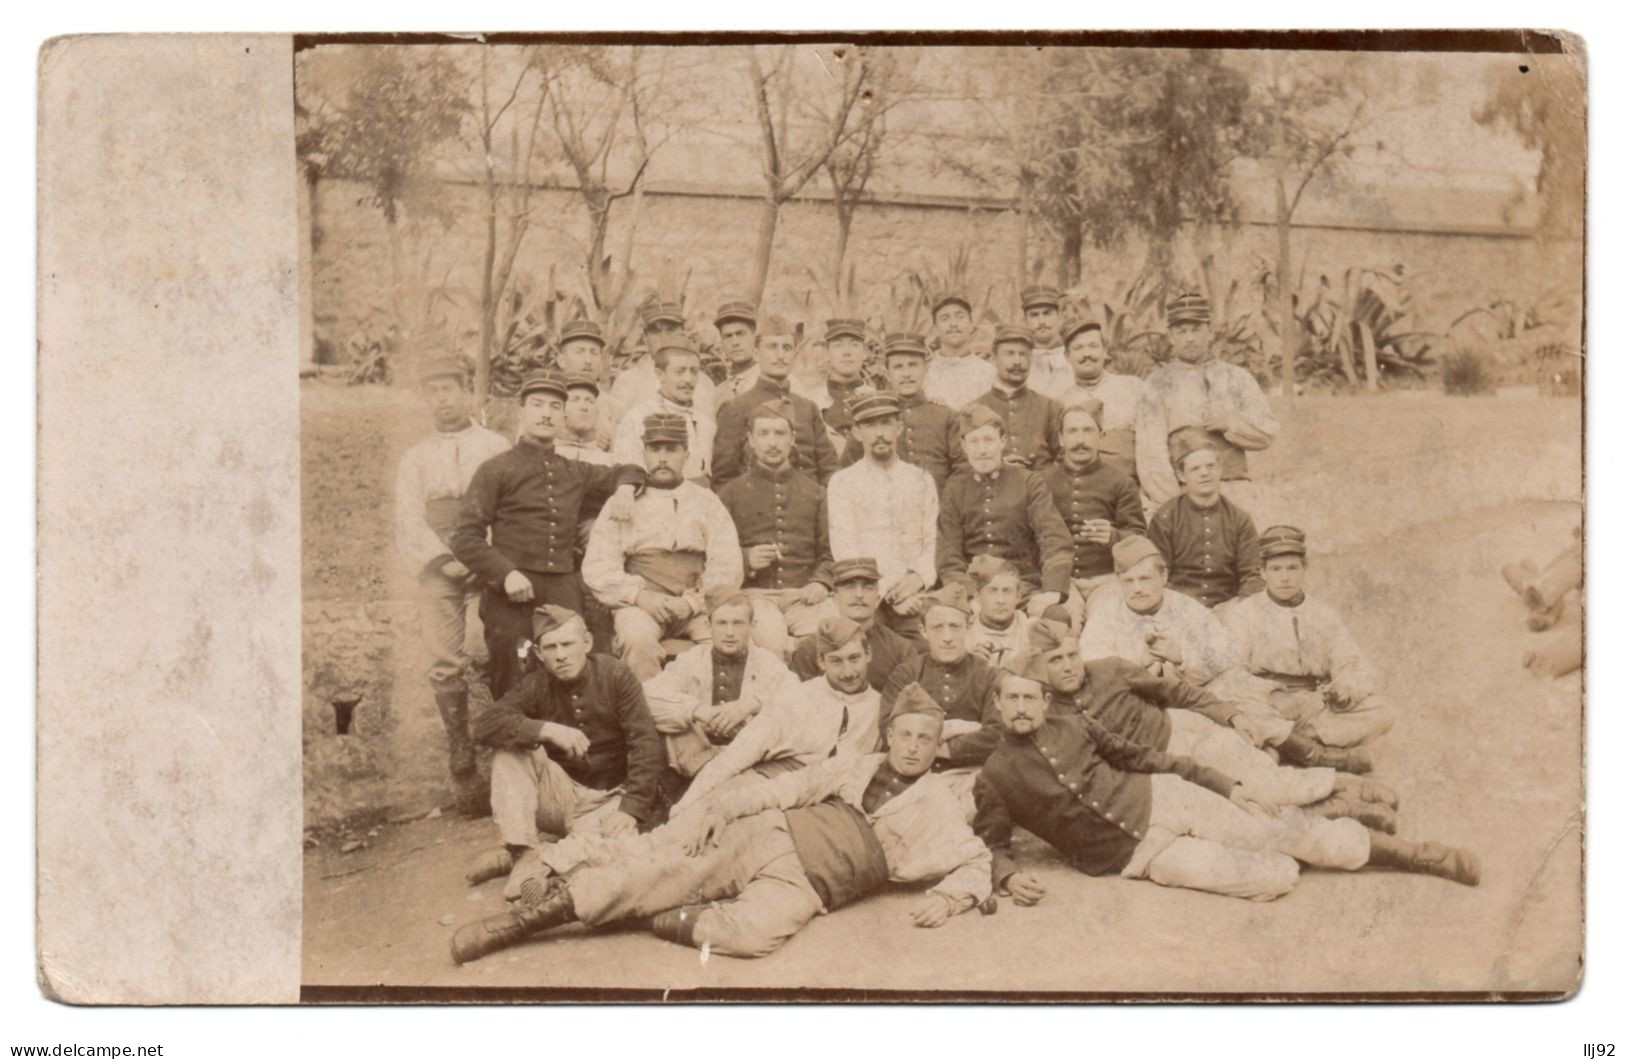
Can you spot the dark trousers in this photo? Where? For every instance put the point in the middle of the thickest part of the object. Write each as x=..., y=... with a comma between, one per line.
x=508, y=624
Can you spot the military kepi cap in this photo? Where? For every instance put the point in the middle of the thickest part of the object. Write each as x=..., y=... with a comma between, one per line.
x=835, y=632
x=581, y=329
x=949, y=297
x=845, y=327
x=443, y=368
x=545, y=619
x=744, y=311
x=875, y=405
x=1073, y=326
x=546, y=380
x=1131, y=551
x=844, y=570
x=1186, y=440
x=580, y=380
x=659, y=312
x=1038, y=296
x=1281, y=540
x=1013, y=333
x=664, y=426
x=903, y=343
x=1189, y=308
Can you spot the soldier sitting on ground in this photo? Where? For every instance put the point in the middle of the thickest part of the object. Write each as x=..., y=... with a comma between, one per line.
x=1210, y=542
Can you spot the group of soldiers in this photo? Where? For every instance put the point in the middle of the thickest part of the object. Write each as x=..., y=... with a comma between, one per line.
x=757, y=649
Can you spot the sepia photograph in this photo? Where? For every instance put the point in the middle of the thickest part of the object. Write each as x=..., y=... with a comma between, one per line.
x=985, y=517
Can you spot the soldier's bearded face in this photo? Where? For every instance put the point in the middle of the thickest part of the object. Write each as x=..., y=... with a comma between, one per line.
x=738, y=341
x=1283, y=577
x=541, y=415
x=846, y=356
x=911, y=743
x=770, y=441
x=1013, y=361
x=1044, y=320
x=775, y=354
x=945, y=629
x=878, y=436
x=1080, y=438
x=984, y=448
x=953, y=326
x=1022, y=703
x=1065, y=667
x=905, y=373
x=679, y=377
x=580, y=355
x=1087, y=355
x=1190, y=341
x=847, y=667
x=857, y=599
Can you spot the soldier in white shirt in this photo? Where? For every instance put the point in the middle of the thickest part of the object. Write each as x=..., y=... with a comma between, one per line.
x=1051, y=373
x=999, y=628
x=956, y=376
x=429, y=485
x=1119, y=395
x=705, y=695
x=1299, y=644
x=836, y=713
x=884, y=508
x=654, y=569
x=677, y=367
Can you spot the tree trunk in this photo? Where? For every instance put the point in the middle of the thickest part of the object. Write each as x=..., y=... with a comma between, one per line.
x=1370, y=348
x=482, y=362
x=1071, y=270
x=401, y=354
x=843, y=234
x=1283, y=291
x=598, y=214
x=765, y=229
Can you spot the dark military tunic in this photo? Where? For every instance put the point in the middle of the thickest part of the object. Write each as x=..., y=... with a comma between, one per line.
x=839, y=413
x=1032, y=422
x=786, y=508
x=929, y=440
x=813, y=451
x=1131, y=702
x=605, y=703
x=1212, y=552
x=1077, y=786
x=964, y=690
x=887, y=650
x=1008, y=513
x=1098, y=491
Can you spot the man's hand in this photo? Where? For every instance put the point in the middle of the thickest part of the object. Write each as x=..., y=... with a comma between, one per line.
x=1241, y=797
x=618, y=508
x=699, y=831
x=709, y=720
x=910, y=606
x=906, y=586
x=761, y=556
x=1250, y=728
x=1041, y=602
x=731, y=716
x=616, y=824
x=1166, y=649
x=572, y=741
x=681, y=608
x=1098, y=531
x=1338, y=695
x=453, y=569
x=655, y=604
x=1218, y=422
x=933, y=911
x=985, y=650
x=1025, y=888
x=814, y=593
x=518, y=587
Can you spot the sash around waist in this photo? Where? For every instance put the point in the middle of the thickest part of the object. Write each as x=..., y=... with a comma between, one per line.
x=672, y=572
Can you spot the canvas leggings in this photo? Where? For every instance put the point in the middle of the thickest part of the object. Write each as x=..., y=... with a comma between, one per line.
x=1200, y=840
x=531, y=793
x=756, y=893
x=443, y=623
x=1223, y=749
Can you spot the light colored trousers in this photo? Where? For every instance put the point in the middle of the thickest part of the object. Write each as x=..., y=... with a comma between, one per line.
x=780, y=618
x=1217, y=747
x=443, y=623
x=1083, y=589
x=638, y=636
x=1202, y=841
x=531, y=793
x=1360, y=723
x=757, y=893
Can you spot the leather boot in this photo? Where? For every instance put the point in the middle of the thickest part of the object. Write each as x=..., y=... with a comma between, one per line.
x=492, y=864
x=676, y=924
x=453, y=705
x=1365, y=790
x=509, y=928
x=528, y=879
x=1342, y=804
x=1425, y=858
x=1306, y=751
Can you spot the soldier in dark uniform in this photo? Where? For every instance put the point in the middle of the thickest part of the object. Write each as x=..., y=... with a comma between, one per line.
x=1031, y=420
x=531, y=502
x=1099, y=502
x=846, y=351
x=814, y=452
x=857, y=597
x=998, y=509
x=783, y=526
x=930, y=436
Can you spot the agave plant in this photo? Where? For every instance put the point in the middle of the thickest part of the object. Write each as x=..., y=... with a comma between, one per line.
x=1356, y=333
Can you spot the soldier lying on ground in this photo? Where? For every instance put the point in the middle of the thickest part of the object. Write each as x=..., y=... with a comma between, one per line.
x=758, y=862
x=1111, y=806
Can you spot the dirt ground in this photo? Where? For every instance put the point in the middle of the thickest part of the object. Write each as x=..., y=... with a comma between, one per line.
x=1488, y=757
